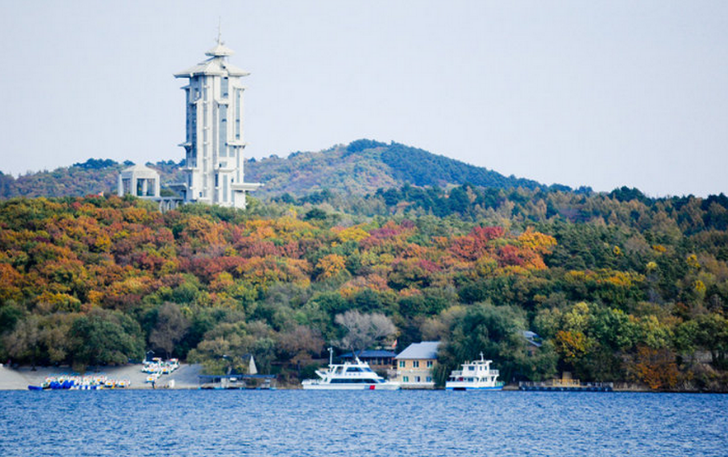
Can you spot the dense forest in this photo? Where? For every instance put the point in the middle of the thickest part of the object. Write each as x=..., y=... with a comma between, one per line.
x=618, y=286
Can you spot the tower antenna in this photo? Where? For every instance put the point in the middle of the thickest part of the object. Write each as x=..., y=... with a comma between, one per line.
x=219, y=30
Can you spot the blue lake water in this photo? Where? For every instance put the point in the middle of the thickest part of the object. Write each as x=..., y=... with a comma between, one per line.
x=305, y=423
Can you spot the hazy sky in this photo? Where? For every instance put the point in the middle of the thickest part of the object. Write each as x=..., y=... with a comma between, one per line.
x=593, y=93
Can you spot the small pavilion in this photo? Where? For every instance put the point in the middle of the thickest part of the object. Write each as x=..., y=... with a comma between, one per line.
x=139, y=181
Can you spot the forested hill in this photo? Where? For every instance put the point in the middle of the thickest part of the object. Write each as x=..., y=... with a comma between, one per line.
x=93, y=177
x=618, y=287
x=362, y=167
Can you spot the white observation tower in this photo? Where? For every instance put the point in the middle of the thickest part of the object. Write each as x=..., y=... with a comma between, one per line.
x=214, y=144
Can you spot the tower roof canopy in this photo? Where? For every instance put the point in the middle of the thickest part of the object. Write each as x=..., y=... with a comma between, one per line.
x=215, y=66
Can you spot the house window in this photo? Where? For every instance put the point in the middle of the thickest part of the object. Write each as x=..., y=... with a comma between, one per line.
x=402, y=363
x=405, y=379
x=429, y=364
x=429, y=379
x=417, y=379
x=416, y=364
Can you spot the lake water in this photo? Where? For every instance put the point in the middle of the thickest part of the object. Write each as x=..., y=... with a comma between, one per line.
x=306, y=423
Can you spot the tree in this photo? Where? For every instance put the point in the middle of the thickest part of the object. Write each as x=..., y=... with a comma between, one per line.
x=105, y=337
x=22, y=342
x=170, y=329
x=299, y=343
x=363, y=330
x=495, y=331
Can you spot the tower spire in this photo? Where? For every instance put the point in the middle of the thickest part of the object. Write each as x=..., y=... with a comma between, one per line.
x=219, y=31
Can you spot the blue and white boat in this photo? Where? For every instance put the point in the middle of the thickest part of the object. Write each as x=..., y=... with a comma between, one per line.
x=476, y=375
x=348, y=376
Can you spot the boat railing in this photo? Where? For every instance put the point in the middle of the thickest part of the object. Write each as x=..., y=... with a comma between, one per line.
x=566, y=383
x=457, y=373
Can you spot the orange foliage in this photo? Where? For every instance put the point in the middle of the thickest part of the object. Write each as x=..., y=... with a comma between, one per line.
x=655, y=367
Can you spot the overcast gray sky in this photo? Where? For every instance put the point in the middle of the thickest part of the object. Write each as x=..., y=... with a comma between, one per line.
x=597, y=93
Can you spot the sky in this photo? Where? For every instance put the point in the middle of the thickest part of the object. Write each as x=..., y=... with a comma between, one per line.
x=600, y=93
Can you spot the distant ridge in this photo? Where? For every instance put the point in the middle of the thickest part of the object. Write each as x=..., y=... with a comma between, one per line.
x=361, y=167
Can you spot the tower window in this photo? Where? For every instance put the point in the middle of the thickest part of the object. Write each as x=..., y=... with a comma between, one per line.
x=224, y=87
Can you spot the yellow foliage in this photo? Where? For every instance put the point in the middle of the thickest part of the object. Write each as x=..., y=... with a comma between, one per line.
x=102, y=243
x=485, y=266
x=575, y=276
x=620, y=279
x=536, y=241
x=386, y=259
x=692, y=261
x=354, y=233
x=578, y=318
x=699, y=286
x=572, y=345
x=95, y=296
x=331, y=265
x=134, y=215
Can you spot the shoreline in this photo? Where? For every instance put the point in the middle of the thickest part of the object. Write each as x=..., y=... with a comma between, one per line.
x=186, y=378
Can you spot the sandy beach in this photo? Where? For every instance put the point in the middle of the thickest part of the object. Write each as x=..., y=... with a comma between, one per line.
x=186, y=377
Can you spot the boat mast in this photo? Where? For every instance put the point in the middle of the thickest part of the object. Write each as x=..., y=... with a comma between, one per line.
x=331, y=356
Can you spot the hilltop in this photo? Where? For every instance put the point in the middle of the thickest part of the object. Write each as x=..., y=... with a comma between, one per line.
x=361, y=167
x=364, y=166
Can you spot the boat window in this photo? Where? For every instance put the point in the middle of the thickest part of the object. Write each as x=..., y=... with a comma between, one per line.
x=366, y=370
x=353, y=370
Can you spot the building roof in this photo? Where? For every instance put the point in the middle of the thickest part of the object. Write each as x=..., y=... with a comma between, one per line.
x=532, y=338
x=215, y=66
x=378, y=354
x=140, y=170
x=424, y=350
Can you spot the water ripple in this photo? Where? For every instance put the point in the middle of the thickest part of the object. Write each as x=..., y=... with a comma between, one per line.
x=107, y=423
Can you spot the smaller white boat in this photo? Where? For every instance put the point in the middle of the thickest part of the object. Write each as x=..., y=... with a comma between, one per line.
x=349, y=376
x=476, y=375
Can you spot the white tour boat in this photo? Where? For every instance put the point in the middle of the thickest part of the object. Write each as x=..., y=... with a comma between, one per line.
x=475, y=375
x=348, y=376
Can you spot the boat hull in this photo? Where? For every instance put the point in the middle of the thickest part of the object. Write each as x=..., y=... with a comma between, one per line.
x=465, y=388
x=351, y=387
